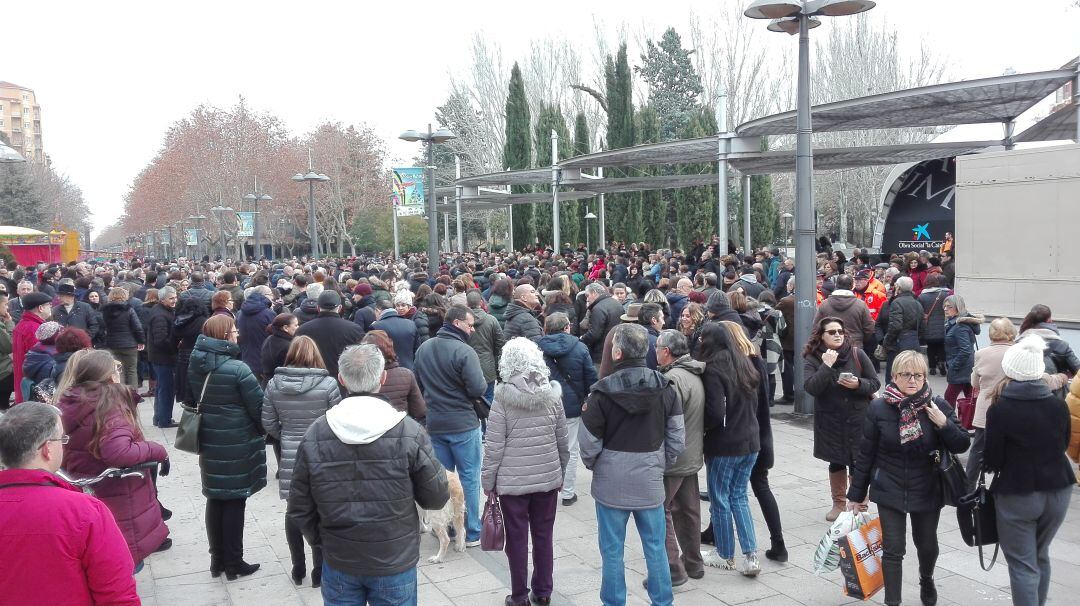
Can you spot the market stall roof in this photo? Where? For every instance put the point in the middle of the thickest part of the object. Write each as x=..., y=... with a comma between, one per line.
x=997, y=99
x=1058, y=126
x=14, y=230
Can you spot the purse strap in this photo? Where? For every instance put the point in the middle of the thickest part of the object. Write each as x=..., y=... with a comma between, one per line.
x=198, y=405
x=978, y=526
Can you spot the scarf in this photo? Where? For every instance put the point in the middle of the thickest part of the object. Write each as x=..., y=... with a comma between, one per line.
x=842, y=355
x=910, y=427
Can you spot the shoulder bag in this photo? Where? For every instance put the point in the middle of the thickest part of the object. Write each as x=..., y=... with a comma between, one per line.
x=977, y=519
x=492, y=529
x=951, y=475
x=187, y=431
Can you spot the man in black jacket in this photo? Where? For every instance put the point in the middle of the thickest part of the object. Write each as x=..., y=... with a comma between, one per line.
x=161, y=348
x=521, y=314
x=72, y=313
x=331, y=332
x=603, y=315
x=361, y=470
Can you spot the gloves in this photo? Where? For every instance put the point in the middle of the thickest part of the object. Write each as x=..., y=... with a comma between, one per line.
x=166, y=466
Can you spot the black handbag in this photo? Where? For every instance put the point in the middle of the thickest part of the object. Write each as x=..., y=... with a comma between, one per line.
x=187, y=431
x=977, y=519
x=481, y=408
x=952, y=477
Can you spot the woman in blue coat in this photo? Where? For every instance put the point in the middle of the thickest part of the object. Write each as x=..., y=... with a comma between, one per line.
x=961, y=329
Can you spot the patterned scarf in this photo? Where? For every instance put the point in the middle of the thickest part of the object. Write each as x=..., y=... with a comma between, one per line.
x=910, y=427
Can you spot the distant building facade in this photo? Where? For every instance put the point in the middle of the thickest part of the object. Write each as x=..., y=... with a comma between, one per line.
x=20, y=120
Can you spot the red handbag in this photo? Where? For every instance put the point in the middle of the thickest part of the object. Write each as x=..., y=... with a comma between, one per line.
x=965, y=410
x=492, y=531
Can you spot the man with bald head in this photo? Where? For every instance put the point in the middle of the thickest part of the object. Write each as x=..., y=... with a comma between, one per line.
x=522, y=313
x=678, y=299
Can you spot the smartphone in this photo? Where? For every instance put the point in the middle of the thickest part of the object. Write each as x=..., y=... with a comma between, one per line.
x=846, y=375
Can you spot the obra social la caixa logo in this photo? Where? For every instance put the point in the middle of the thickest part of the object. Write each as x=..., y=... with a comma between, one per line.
x=921, y=237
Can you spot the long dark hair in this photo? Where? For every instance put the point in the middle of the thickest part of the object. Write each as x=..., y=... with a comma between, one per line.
x=813, y=344
x=718, y=349
x=1038, y=315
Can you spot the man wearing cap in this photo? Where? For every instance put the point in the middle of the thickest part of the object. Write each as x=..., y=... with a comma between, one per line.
x=330, y=331
x=72, y=313
x=37, y=308
x=364, y=304
x=871, y=291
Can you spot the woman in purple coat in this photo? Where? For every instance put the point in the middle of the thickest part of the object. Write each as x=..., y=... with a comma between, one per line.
x=99, y=415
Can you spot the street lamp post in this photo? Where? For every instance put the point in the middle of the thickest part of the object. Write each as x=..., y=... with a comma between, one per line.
x=255, y=197
x=431, y=138
x=588, y=229
x=796, y=17
x=311, y=177
x=221, y=210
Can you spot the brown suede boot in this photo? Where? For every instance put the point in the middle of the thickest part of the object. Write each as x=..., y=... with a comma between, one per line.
x=838, y=481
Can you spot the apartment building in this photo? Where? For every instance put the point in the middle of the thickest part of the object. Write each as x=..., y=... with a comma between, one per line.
x=20, y=120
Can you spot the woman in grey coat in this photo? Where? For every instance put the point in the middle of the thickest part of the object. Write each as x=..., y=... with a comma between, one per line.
x=525, y=456
x=298, y=394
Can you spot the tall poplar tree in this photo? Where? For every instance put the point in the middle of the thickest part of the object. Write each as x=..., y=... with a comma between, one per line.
x=517, y=155
x=551, y=118
x=582, y=146
x=624, y=221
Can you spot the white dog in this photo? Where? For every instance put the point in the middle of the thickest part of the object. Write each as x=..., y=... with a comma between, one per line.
x=453, y=512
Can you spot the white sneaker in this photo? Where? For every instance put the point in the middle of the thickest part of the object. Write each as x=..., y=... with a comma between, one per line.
x=475, y=543
x=751, y=567
x=711, y=558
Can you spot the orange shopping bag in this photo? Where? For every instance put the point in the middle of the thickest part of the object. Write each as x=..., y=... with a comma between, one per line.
x=860, y=560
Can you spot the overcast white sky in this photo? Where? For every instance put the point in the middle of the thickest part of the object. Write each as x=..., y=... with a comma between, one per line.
x=112, y=76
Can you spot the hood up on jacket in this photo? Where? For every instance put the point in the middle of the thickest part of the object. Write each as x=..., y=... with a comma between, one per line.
x=633, y=387
x=295, y=381
x=210, y=353
x=362, y=419
x=254, y=304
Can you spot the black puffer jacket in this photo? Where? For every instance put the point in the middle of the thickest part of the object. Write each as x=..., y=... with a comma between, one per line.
x=903, y=477
x=933, y=301
x=161, y=344
x=839, y=411
x=905, y=323
x=361, y=470
x=274, y=350
x=603, y=315
x=188, y=321
x=232, y=456
x=1059, y=355
x=521, y=322
x=122, y=327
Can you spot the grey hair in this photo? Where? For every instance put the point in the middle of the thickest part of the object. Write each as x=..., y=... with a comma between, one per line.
x=674, y=341
x=474, y=299
x=521, y=356
x=556, y=323
x=313, y=290
x=403, y=297
x=904, y=284
x=957, y=303
x=23, y=430
x=632, y=340
x=166, y=292
x=596, y=288
x=360, y=368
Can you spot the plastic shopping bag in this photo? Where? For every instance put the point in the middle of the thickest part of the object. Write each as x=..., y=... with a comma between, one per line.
x=860, y=561
x=827, y=555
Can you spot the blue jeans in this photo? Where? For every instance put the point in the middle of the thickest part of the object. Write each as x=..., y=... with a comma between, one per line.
x=164, y=395
x=652, y=528
x=463, y=453
x=728, y=479
x=344, y=589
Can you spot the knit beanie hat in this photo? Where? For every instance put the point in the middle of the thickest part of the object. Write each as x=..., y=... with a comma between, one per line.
x=1024, y=360
x=47, y=331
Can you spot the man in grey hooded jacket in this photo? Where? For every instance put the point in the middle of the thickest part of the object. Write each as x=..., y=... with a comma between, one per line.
x=632, y=429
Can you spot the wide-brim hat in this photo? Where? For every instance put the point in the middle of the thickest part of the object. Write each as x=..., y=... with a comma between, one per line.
x=633, y=313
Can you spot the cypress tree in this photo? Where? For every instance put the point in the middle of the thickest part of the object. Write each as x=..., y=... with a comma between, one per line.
x=20, y=200
x=551, y=118
x=652, y=204
x=582, y=146
x=696, y=206
x=624, y=211
x=516, y=155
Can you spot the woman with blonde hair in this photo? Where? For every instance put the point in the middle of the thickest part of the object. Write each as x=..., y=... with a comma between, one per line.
x=907, y=430
x=298, y=394
x=99, y=415
x=232, y=449
x=124, y=334
x=689, y=322
x=525, y=456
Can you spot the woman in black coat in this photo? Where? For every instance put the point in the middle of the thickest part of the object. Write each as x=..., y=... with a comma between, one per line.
x=191, y=314
x=276, y=346
x=842, y=380
x=905, y=434
x=124, y=335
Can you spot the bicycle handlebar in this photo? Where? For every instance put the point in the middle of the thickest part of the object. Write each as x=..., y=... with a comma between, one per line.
x=111, y=472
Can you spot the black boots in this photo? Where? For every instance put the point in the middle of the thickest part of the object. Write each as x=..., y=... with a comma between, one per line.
x=240, y=569
x=778, y=552
x=927, y=591
x=707, y=536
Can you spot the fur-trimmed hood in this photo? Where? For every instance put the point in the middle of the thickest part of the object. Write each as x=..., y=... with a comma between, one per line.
x=548, y=394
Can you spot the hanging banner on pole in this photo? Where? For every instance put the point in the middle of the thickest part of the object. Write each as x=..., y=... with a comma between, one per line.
x=192, y=236
x=247, y=225
x=166, y=237
x=408, y=191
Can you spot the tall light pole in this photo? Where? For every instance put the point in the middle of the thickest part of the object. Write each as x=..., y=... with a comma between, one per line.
x=255, y=197
x=588, y=229
x=221, y=210
x=312, y=178
x=431, y=138
x=795, y=17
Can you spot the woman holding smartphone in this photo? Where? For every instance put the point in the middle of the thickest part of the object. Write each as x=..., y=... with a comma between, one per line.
x=842, y=380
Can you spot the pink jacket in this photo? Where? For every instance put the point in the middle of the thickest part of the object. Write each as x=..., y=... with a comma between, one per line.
x=59, y=546
x=133, y=501
x=22, y=339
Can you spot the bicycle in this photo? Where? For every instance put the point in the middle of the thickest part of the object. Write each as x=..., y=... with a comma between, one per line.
x=86, y=483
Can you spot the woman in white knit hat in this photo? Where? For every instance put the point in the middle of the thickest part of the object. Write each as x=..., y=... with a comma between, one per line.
x=1027, y=432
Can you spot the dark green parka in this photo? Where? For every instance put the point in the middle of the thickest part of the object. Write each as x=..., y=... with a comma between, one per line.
x=232, y=448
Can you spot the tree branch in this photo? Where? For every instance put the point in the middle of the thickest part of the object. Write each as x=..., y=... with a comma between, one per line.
x=591, y=91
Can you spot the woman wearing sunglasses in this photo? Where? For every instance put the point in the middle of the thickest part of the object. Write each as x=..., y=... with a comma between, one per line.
x=842, y=380
x=904, y=429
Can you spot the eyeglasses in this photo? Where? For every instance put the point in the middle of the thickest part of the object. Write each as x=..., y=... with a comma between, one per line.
x=836, y=332
x=907, y=376
x=62, y=439
x=119, y=367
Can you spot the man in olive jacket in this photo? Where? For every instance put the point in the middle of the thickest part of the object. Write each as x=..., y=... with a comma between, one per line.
x=487, y=341
x=360, y=471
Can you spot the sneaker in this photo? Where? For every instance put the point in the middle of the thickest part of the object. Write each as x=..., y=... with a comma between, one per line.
x=475, y=543
x=751, y=567
x=711, y=558
x=570, y=501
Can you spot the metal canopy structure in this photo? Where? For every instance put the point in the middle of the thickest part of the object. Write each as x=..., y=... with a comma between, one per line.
x=511, y=177
x=685, y=151
x=783, y=161
x=1058, y=126
x=997, y=99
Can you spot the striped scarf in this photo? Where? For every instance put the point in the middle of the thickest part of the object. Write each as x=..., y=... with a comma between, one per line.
x=910, y=427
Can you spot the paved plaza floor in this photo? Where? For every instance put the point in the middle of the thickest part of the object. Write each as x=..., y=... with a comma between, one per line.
x=180, y=577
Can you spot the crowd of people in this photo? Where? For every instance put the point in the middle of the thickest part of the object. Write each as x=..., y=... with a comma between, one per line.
x=372, y=378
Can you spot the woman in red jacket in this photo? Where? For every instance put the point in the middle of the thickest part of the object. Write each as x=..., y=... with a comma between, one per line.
x=98, y=412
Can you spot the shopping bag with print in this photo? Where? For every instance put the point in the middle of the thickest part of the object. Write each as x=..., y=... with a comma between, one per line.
x=827, y=555
x=860, y=561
